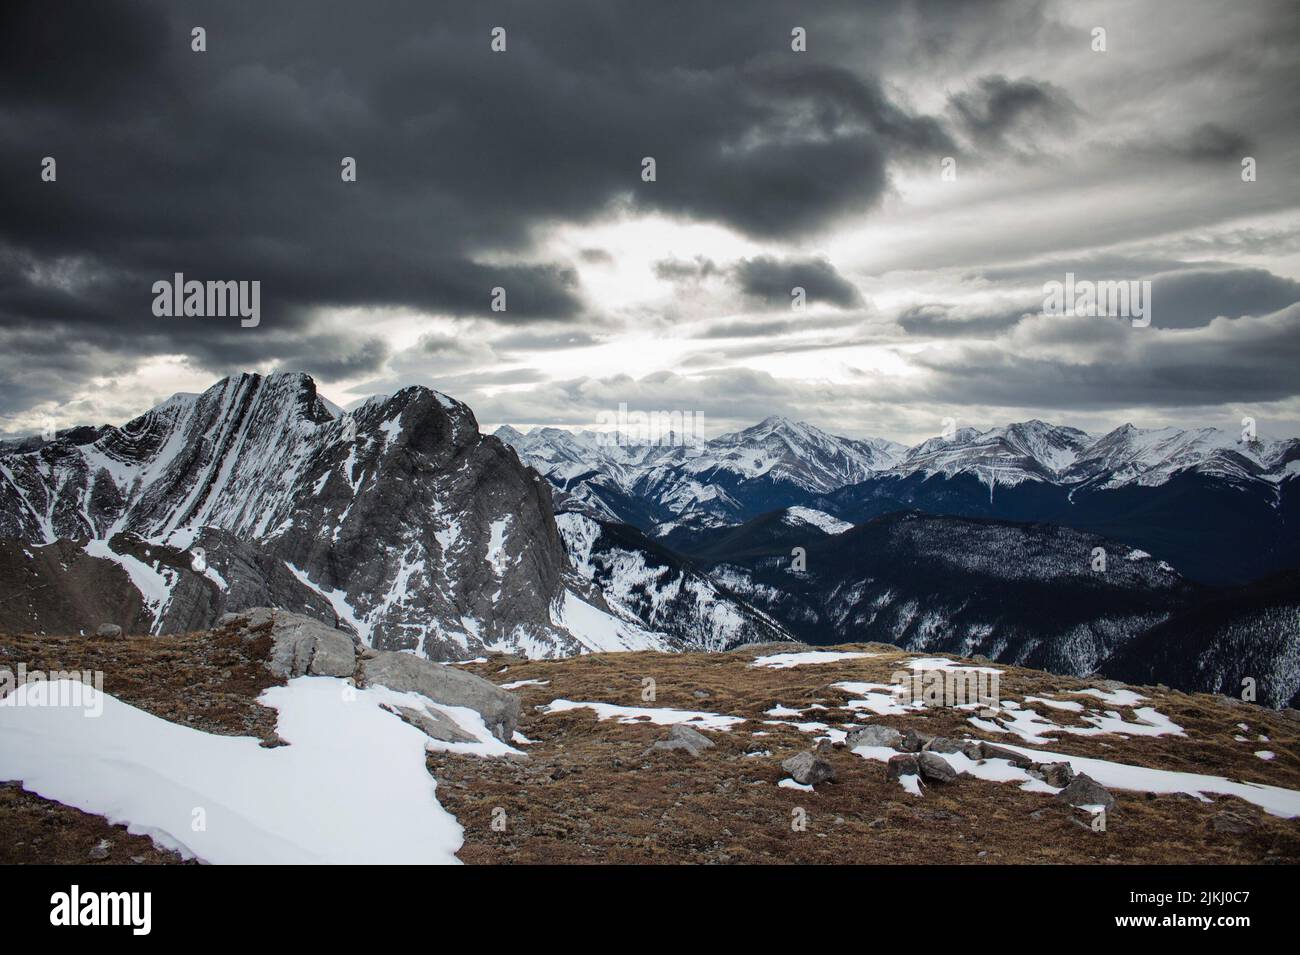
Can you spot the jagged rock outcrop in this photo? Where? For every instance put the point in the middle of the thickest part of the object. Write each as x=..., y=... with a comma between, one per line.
x=398, y=521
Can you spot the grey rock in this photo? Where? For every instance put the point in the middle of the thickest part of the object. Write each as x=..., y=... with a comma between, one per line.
x=293, y=496
x=944, y=744
x=406, y=672
x=685, y=738
x=809, y=769
x=1083, y=790
x=990, y=751
x=1054, y=774
x=914, y=741
x=433, y=724
x=904, y=764
x=972, y=749
x=101, y=850
x=874, y=735
x=109, y=631
x=302, y=646
x=935, y=768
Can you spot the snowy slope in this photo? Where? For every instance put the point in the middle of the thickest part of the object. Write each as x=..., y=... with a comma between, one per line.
x=350, y=788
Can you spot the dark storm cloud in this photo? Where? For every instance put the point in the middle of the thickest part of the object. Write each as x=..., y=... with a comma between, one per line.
x=225, y=164
x=769, y=281
x=999, y=112
x=1106, y=363
x=941, y=321
x=1210, y=142
x=1189, y=299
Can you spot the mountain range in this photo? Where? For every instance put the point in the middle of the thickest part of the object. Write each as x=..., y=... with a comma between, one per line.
x=400, y=522
x=1220, y=509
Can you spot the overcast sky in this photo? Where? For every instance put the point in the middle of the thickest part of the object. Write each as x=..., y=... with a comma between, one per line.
x=523, y=169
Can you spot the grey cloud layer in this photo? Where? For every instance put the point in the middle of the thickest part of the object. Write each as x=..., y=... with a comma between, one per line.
x=225, y=165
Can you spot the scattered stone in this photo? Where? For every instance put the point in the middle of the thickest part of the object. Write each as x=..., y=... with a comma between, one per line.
x=109, y=631
x=980, y=659
x=809, y=769
x=914, y=741
x=875, y=735
x=701, y=694
x=1083, y=790
x=101, y=850
x=935, y=768
x=904, y=764
x=971, y=749
x=684, y=737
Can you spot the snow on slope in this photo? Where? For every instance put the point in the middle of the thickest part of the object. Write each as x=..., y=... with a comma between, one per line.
x=796, y=516
x=674, y=599
x=351, y=787
x=601, y=632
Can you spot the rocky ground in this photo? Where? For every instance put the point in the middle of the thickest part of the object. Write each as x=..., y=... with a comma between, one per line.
x=598, y=790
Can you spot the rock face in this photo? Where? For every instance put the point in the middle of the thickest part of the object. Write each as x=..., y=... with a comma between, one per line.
x=405, y=672
x=661, y=590
x=301, y=646
x=809, y=769
x=397, y=521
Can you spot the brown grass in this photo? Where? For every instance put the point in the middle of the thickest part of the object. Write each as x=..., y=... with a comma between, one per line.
x=589, y=793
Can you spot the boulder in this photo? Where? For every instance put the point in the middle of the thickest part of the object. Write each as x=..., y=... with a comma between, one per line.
x=109, y=631
x=934, y=768
x=904, y=764
x=809, y=769
x=303, y=646
x=685, y=738
x=914, y=741
x=1054, y=774
x=873, y=736
x=1019, y=760
x=943, y=744
x=432, y=724
x=1083, y=790
x=408, y=673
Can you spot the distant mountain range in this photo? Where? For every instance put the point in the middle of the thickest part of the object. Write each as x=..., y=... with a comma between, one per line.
x=1219, y=509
